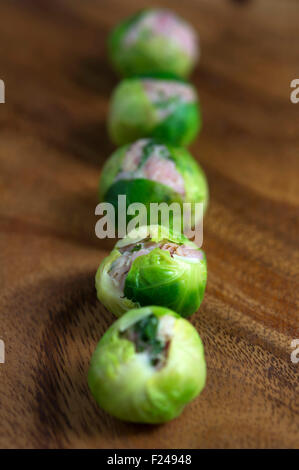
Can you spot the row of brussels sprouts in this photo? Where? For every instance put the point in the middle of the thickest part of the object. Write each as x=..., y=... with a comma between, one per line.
x=150, y=363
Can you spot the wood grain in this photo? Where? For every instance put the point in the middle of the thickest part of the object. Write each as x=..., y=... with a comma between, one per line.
x=53, y=145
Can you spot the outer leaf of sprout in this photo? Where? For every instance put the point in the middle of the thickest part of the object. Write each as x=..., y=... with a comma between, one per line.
x=147, y=55
x=155, y=233
x=147, y=191
x=175, y=283
x=194, y=177
x=110, y=170
x=107, y=291
x=143, y=191
x=181, y=127
x=128, y=387
x=133, y=116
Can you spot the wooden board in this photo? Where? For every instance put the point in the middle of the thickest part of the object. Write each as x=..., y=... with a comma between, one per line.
x=53, y=145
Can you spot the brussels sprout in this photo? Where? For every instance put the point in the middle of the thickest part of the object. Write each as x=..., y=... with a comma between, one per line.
x=154, y=40
x=147, y=366
x=154, y=107
x=151, y=172
x=153, y=265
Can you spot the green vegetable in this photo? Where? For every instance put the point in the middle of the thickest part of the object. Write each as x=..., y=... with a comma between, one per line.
x=151, y=172
x=153, y=40
x=168, y=270
x=153, y=382
x=152, y=107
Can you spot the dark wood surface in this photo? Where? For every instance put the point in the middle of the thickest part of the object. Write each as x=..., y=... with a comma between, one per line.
x=53, y=145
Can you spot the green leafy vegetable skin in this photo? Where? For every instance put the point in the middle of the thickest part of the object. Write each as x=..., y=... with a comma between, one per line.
x=157, y=277
x=107, y=292
x=149, y=54
x=133, y=115
x=146, y=191
x=174, y=282
x=127, y=385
